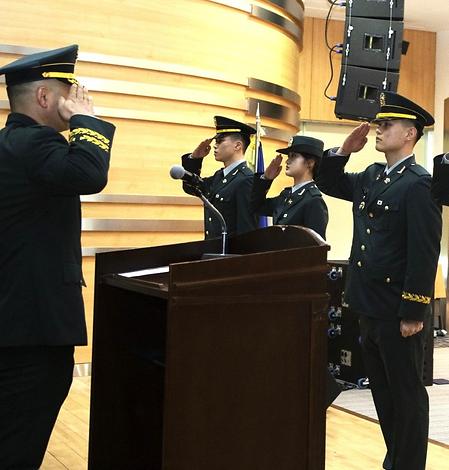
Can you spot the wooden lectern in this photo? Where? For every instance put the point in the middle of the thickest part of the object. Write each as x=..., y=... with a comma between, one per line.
x=217, y=364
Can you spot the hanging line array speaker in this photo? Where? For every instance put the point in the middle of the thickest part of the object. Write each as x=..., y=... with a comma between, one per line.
x=371, y=56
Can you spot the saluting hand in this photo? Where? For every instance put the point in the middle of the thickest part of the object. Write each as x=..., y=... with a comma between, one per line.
x=410, y=327
x=274, y=168
x=356, y=140
x=78, y=101
x=203, y=149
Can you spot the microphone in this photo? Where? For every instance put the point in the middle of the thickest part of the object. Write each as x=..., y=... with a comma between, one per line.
x=178, y=172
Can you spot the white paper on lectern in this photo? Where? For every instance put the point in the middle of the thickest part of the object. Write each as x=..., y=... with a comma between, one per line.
x=145, y=272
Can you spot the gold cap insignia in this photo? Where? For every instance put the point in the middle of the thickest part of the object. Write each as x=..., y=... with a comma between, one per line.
x=382, y=99
x=290, y=142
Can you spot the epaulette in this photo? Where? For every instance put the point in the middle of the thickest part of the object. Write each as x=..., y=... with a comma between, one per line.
x=313, y=190
x=245, y=170
x=418, y=170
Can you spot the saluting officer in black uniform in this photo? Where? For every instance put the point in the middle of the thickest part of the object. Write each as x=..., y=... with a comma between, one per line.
x=391, y=272
x=41, y=306
x=229, y=189
x=302, y=204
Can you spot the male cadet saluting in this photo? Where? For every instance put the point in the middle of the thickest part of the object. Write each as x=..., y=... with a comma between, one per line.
x=229, y=189
x=391, y=272
x=41, y=306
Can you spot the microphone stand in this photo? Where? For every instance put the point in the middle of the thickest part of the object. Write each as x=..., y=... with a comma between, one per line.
x=224, y=231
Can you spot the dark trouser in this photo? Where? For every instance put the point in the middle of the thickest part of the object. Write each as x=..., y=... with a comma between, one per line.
x=395, y=369
x=34, y=382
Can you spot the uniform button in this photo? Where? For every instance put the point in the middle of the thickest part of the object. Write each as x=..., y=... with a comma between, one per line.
x=217, y=196
x=371, y=215
x=210, y=219
x=221, y=199
x=363, y=247
x=285, y=215
x=387, y=279
x=386, y=208
x=359, y=264
x=368, y=231
x=207, y=232
x=225, y=180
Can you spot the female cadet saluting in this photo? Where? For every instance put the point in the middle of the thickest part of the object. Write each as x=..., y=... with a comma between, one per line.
x=302, y=204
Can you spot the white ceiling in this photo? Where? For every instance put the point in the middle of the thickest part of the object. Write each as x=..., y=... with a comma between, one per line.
x=427, y=15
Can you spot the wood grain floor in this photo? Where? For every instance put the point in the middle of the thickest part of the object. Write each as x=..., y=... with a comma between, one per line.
x=353, y=443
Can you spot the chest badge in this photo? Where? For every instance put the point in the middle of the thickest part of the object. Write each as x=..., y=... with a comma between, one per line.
x=387, y=180
x=289, y=201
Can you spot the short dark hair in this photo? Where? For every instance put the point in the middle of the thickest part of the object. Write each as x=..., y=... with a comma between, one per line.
x=18, y=93
x=242, y=137
x=419, y=128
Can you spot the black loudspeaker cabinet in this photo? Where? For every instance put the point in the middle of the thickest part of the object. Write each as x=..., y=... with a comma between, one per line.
x=377, y=9
x=372, y=48
x=375, y=44
x=358, y=92
x=344, y=350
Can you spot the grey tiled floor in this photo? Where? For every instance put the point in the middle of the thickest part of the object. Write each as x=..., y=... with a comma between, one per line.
x=361, y=402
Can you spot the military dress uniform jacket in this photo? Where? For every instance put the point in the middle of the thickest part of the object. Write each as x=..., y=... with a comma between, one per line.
x=230, y=195
x=41, y=178
x=396, y=240
x=440, y=180
x=305, y=206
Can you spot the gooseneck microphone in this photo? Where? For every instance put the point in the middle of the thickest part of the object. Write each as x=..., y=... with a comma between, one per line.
x=178, y=172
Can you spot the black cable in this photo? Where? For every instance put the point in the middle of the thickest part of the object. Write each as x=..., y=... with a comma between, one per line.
x=335, y=49
x=332, y=3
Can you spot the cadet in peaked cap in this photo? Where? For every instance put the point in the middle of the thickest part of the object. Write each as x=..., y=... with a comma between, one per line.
x=301, y=204
x=229, y=189
x=41, y=305
x=394, y=106
x=224, y=125
x=57, y=64
x=391, y=269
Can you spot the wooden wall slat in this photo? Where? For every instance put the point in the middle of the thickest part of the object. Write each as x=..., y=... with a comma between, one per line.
x=142, y=211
